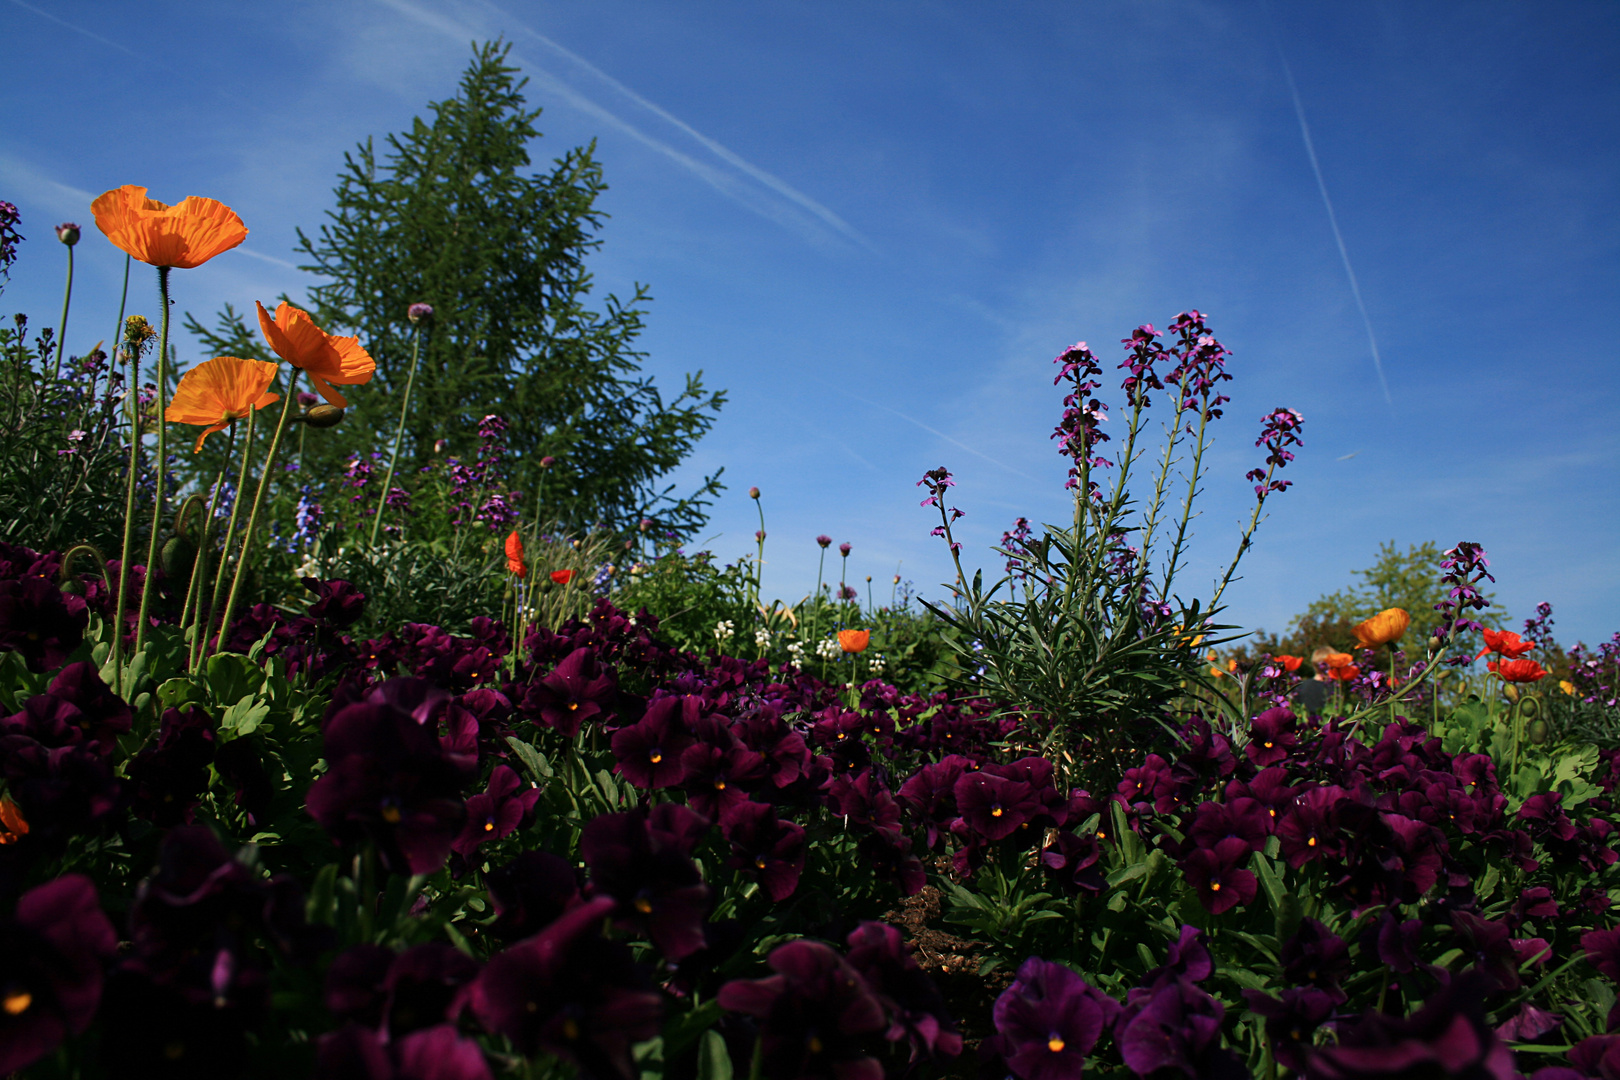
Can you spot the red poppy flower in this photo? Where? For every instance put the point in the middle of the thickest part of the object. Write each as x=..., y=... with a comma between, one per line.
x=514, y=555
x=1517, y=670
x=1344, y=672
x=562, y=577
x=1289, y=664
x=1505, y=643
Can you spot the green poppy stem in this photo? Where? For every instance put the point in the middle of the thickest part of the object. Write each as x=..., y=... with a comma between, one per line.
x=123, y=298
x=199, y=564
x=61, y=334
x=399, y=434
x=162, y=463
x=199, y=644
x=132, y=398
x=258, y=500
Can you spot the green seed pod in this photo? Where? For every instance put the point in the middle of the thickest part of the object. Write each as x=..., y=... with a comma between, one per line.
x=323, y=416
x=176, y=556
x=1539, y=732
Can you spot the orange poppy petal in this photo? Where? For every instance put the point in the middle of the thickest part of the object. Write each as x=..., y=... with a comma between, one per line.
x=207, y=431
x=221, y=389
x=355, y=364
x=324, y=388
x=183, y=236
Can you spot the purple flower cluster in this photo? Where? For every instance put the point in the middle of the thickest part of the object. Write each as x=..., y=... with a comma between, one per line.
x=1279, y=430
x=1465, y=567
x=1077, y=431
x=10, y=218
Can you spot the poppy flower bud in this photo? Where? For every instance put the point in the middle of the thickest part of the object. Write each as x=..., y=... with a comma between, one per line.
x=176, y=556
x=417, y=312
x=324, y=416
x=68, y=233
x=753, y=493
x=1538, y=732
x=646, y=523
x=306, y=399
x=759, y=535
x=1434, y=644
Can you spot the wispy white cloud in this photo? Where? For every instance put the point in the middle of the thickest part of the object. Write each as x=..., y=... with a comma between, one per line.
x=31, y=185
x=283, y=263
x=1333, y=220
x=58, y=20
x=734, y=177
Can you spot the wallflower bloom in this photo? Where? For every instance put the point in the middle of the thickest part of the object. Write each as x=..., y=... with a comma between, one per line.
x=184, y=236
x=220, y=391
x=854, y=641
x=1383, y=628
x=514, y=555
x=330, y=360
x=1517, y=671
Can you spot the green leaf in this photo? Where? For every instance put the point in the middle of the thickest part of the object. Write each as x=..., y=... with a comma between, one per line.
x=245, y=716
x=534, y=761
x=177, y=692
x=714, y=1061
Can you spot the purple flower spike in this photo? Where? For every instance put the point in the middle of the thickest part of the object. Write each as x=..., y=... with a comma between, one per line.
x=1048, y=1021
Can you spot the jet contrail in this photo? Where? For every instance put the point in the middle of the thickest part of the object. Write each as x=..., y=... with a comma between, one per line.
x=1333, y=220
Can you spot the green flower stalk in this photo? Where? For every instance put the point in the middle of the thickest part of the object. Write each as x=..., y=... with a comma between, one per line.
x=162, y=462
x=416, y=313
x=68, y=233
x=245, y=557
x=137, y=334
x=199, y=642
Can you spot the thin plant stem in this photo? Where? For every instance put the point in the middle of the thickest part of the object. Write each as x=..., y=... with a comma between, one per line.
x=162, y=462
x=123, y=298
x=815, y=624
x=399, y=434
x=199, y=565
x=61, y=334
x=133, y=399
x=200, y=644
x=258, y=500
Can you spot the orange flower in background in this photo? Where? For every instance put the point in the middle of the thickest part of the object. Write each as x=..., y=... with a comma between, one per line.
x=1566, y=686
x=854, y=641
x=1289, y=664
x=183, y=236
x=13, y=826
x=562, y=577
x=1383, y=628
x=1337, y=660
x=1516, y=671
x=329, y=359
x=1505, y=643
x=514, y=555
x=219, y=391
x=1343, y=672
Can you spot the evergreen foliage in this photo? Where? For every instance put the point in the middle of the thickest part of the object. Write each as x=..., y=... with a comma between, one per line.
x=449, y=216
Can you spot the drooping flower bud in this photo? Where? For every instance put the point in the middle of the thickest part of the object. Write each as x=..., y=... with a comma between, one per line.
x=176, y=556
x=68, y=233
x=324, y=416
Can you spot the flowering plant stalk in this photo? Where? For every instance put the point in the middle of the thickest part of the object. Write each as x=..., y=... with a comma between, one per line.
x=404, y=412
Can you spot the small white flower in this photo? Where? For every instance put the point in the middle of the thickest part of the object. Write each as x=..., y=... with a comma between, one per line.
x=762, y=637
x=875, y=664
x=827, y=648
x=723, y=630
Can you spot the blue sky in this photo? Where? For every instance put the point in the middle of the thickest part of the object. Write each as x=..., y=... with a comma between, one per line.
x=876, y=224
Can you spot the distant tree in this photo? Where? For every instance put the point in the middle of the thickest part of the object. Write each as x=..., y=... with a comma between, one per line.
x=450, y=217
x=1406, y=578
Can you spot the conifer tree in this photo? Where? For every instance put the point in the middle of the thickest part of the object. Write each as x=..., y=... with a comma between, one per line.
x=450, y=215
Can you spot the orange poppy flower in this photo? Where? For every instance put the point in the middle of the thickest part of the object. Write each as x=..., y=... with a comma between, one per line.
x=219, y=391
x=1517, y=670
x=1337, y=659
x=13, y=826
x=562, y=577
x=1344, y=672
x=1505, y=643
x=1289, y=664
x=183, y=236
x=854, y=641
x=514, y=555
x=1386, y=626
x=329, y=359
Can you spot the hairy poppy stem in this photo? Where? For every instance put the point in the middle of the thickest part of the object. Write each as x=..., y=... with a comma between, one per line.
x=132, y=397
x=200, y=643
x=258, y=500
x=199, y=565
x=399, y=433
x=162, y=463
x=123, y=298
x=61, y=333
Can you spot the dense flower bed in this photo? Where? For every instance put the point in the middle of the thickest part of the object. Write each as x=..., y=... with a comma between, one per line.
x=422, y=856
